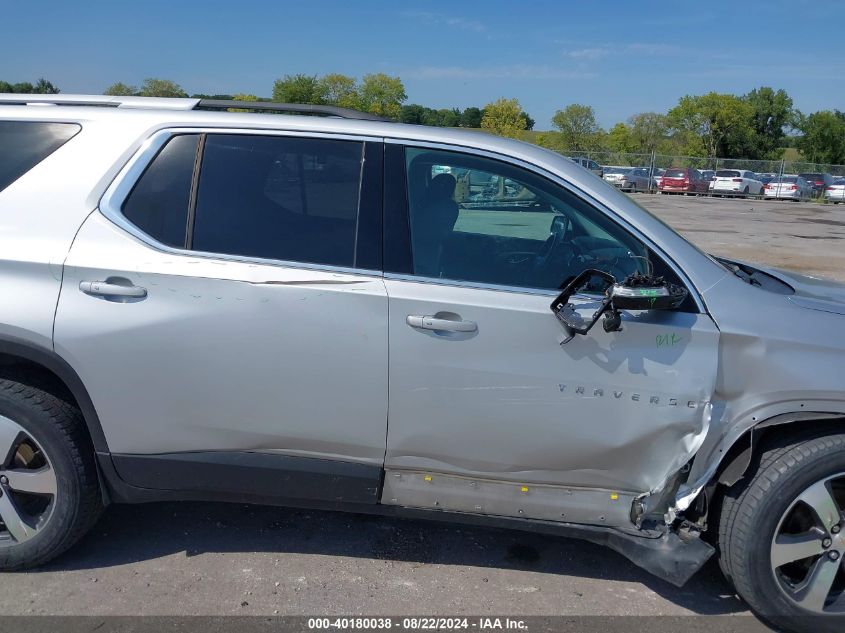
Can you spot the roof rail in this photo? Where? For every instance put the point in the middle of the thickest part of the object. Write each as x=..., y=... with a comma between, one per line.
x=299, y=108
x=165, y=103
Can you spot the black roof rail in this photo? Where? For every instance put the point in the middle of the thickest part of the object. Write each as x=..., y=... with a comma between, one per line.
x=300, y=108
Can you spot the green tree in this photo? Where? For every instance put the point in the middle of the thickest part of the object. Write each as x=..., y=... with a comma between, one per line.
x=471, y=117
x=620, y=138
x=578, y=127
x=153, y=87
x=243, y=97
x=529, y=122
x=503, y=117
x=771, y=113
x=648, y=131
x=298, y=89
x=823, y=139
x=44, y=87
x=450, y=118
x=383, y=95
x=412, y=113
x=121, y=90
x=717, y=124
x=24, y=87
x=339, y=90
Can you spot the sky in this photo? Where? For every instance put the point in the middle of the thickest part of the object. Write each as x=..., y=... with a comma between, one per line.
x=620, y=57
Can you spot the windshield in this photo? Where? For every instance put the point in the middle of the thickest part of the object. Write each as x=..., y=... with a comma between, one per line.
x=675, y=173
x=616, y=170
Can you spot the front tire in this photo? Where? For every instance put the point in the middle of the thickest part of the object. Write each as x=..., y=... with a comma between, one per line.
x=49, y=491
x=782, y=535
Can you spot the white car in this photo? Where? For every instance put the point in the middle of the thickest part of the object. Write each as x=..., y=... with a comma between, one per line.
x=615, y=175
x=736, y=182
x=835, y=193
x=788, y=188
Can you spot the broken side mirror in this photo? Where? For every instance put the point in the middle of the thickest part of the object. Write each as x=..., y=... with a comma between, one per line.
x=636, y=292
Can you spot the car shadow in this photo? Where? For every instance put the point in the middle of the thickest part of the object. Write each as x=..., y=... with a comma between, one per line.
x=129, y=534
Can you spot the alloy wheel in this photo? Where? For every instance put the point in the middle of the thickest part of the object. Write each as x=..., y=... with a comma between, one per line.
x=28, y=485
x=808, y=548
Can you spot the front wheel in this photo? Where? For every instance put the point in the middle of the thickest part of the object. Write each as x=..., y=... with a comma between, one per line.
x=49, y=493
x=781, y=535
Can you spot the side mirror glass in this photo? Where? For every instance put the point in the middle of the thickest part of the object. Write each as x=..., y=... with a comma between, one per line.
x=636, y=292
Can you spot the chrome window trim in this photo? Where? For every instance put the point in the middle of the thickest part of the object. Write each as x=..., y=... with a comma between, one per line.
x=115, y=195
x=474, y=285
x=598, y=205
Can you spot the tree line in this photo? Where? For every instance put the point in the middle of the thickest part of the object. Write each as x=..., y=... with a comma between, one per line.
x=757, y=125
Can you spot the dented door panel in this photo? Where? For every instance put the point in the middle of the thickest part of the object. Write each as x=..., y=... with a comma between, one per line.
x=617, y=411
x=226, y=355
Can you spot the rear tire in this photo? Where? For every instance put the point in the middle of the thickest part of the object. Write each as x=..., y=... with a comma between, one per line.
x=764, y=516
x=49, y=491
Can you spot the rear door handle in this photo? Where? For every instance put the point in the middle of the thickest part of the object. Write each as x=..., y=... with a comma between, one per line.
x=441, y=325
x=106, y=289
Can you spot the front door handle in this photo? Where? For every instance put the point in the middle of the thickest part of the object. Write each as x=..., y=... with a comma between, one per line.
x=440, y=325
x=106, y=289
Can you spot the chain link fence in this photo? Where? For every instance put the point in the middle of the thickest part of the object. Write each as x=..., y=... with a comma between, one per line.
x=657, y=163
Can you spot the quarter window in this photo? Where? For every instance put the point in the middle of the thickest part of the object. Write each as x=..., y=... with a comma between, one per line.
x=158, y=204
x=275, y=197
x=480, y=220
x=24, y=144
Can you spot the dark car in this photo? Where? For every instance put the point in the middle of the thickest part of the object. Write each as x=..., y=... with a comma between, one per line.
x=818, y=182
x=683, y=180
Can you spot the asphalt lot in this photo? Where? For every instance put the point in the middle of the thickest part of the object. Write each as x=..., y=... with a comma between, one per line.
x=217, y=559
x=802, y=236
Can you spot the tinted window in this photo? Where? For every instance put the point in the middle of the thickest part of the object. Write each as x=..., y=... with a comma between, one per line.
x=727, y=173
x=490, y=222
x=24, y=144
x=674, y=173
x=275, y=197
x=158, y=204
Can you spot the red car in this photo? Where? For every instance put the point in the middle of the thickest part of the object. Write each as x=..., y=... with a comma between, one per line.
x=683, y=180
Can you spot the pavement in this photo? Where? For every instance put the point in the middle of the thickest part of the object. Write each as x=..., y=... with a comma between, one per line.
x=230, y=559
x=802, y=236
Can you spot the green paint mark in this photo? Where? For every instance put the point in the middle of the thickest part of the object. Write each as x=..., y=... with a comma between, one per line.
x=667, y=340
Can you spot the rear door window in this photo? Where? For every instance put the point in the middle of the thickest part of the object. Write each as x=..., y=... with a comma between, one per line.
x=282, y=198
x=24, y=144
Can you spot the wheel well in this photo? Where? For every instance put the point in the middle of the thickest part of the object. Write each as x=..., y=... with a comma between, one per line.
x=40, y=367
x=744, y=455
x=31, y=373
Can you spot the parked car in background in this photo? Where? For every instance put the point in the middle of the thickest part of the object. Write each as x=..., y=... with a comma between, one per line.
x=589, y=164
x=766, y=178
x=708, y=174
x=835, y=192
x=818, y=181
x=682, y=180
x=615, y=175
x=637, y=179
x=657, y=177
x=736, y=182
x=788, y=188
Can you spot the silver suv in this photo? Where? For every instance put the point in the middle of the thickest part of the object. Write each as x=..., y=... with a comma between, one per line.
x=355, y=314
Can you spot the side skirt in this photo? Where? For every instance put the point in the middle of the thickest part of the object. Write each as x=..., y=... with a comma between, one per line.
x=296, y=482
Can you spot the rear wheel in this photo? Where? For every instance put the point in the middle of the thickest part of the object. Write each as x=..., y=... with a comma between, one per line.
x=49, y=493
x=781, y=535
